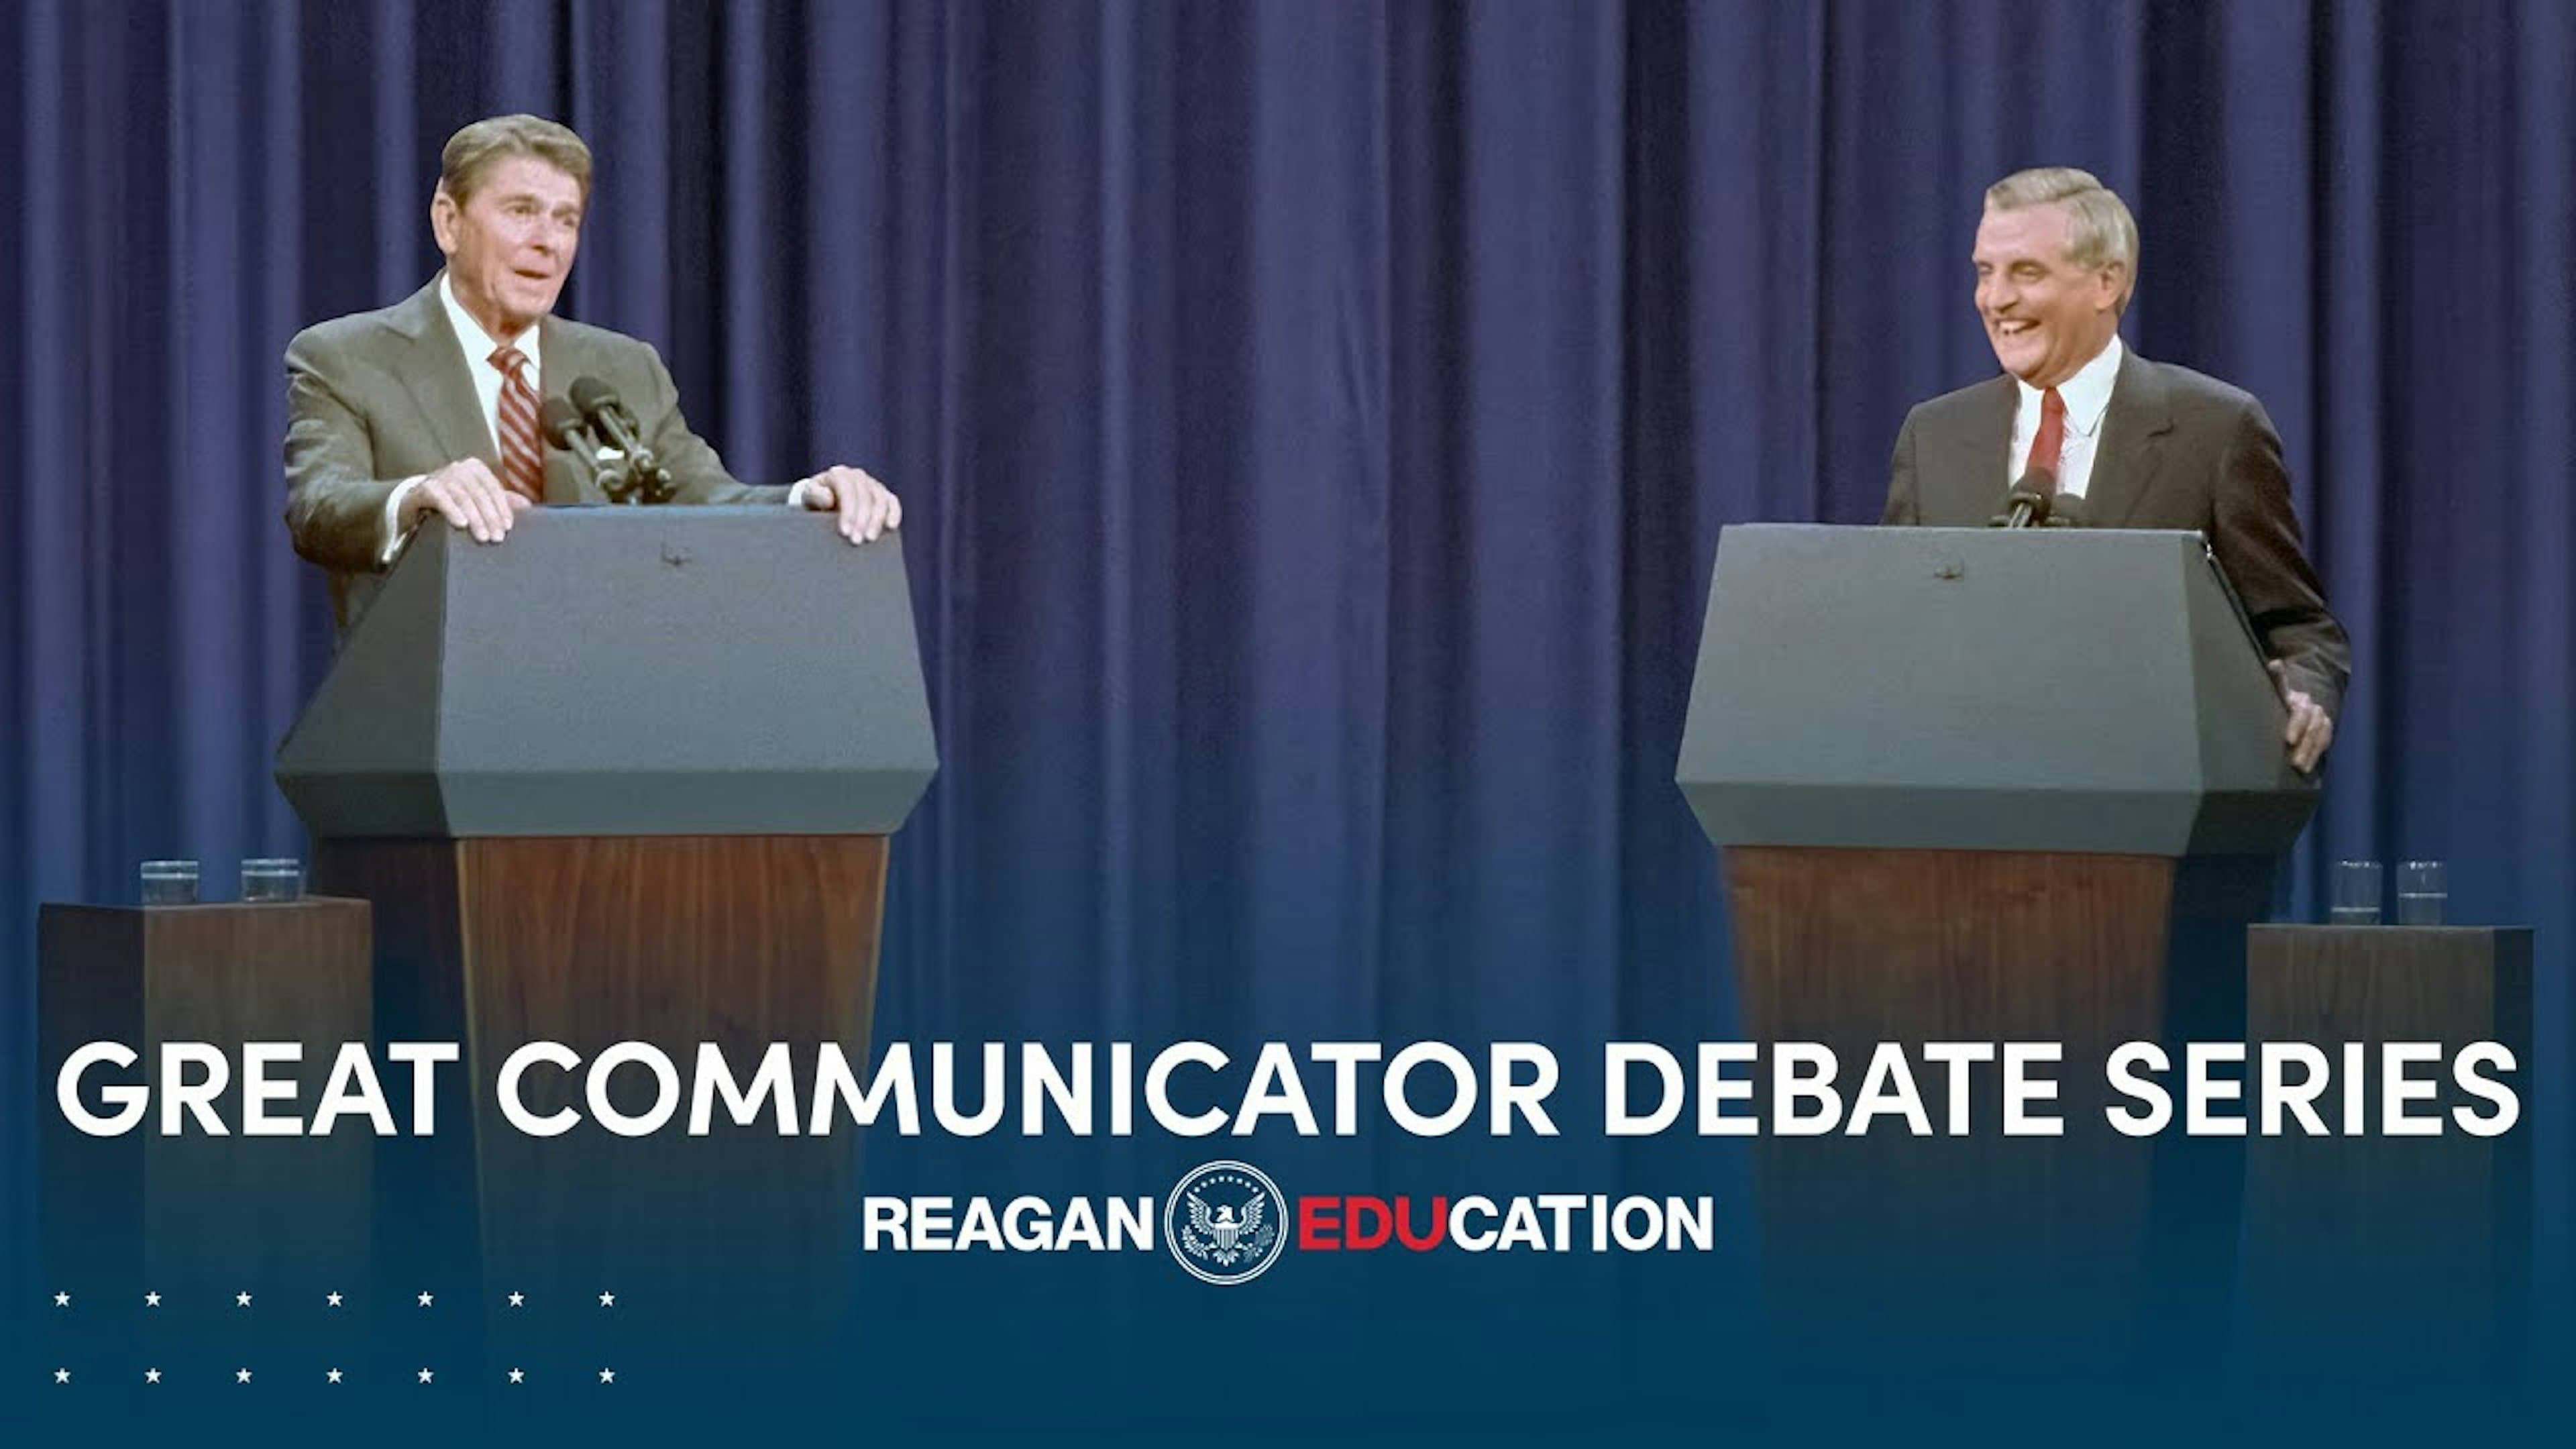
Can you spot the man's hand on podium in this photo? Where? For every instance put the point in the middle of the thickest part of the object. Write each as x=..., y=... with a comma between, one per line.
x=866, y=506
x=467, y=495
x=2309, y=730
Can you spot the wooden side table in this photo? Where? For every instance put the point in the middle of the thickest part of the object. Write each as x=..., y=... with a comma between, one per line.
x=196, y=1209
x=2378, y=1249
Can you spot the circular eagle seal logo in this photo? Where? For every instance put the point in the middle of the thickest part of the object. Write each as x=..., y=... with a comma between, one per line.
x=1226, y=1222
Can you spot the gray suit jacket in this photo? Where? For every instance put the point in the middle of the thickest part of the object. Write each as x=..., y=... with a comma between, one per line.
x=381, y=396
x=2179, y=450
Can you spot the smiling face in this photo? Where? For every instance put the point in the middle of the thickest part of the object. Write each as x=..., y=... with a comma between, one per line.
x=2045, y=315
x=510, y=243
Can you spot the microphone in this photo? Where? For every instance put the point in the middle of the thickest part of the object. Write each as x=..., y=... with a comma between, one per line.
x=561, y=422
x=2029, y=502
x=609, y=418
x=564, y=427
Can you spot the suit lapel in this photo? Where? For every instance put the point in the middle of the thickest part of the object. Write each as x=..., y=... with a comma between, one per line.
x=569, y=478
x=2133, y=439
x=1982, y=451
x=436, y=376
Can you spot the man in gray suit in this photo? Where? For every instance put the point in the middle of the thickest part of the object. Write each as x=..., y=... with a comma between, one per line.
x=430, y=407
x=2144, y=444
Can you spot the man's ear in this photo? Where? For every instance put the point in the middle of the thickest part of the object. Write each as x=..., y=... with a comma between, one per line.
x=442, y=220
x=2115, y=285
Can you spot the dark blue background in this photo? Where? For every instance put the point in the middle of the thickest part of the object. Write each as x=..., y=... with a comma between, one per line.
x=1314, y=421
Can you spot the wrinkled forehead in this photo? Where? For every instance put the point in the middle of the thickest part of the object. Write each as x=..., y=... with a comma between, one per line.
x=2023, y=233
x=524, y=177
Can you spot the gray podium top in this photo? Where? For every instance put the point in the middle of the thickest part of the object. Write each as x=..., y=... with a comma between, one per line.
x=2090, y=690
x=623, y=671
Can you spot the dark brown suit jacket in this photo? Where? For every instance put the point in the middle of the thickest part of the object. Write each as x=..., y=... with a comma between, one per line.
x=2179, y=450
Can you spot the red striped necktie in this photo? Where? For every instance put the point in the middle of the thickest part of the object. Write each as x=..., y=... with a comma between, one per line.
x=2050, y=444
x=523, y=458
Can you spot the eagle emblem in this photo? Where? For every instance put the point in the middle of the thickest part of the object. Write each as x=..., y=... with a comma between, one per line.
x=1229, y=1215
x=1225, y=1227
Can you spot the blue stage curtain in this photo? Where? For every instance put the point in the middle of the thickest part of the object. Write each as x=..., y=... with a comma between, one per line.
x=1314, y=422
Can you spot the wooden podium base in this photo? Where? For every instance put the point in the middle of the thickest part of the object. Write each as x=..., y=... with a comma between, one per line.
x=737, y=941
x=2083, y=1242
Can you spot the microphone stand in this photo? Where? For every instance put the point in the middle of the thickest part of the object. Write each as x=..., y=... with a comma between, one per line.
x=645, y=479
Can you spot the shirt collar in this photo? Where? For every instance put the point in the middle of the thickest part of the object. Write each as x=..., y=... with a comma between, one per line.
x=478, y=343
x=2088, y=393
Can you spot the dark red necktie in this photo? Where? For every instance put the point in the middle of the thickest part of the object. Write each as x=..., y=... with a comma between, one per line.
x=2052, y=437
x=523, y=459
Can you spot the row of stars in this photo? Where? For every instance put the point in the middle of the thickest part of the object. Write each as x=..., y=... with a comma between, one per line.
x=242, y=1376
x=332, y=1300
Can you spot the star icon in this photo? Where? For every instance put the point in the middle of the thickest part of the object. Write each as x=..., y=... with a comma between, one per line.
x=62, y=1300
x=151, y=1300
x=518, y=1300
x=152, y=1376
x=424, y=1300
x=608, y=1376
x=241, y=1376
x=333, y=1376
x=425, y=1376
x=62, y=1376
x=607, y=1300
x=330, y=1300
x=241, y=1300
x=518, y=1376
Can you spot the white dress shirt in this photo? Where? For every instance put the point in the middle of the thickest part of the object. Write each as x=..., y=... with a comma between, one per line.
x=477, y=345
x=2087, y=396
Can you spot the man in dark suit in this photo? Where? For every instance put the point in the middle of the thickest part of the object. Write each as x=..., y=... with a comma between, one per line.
x=2144, y=444
x=431, y=406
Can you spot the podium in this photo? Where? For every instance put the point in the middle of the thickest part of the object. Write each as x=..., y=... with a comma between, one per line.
x=1989, y=786
x=626, y=777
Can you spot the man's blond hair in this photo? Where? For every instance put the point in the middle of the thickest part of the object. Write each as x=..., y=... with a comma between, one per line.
x=2099, y=229
x=472, y=152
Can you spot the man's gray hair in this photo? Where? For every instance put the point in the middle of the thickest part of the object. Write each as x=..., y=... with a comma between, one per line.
x=475, y=150
x=2099, y=229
